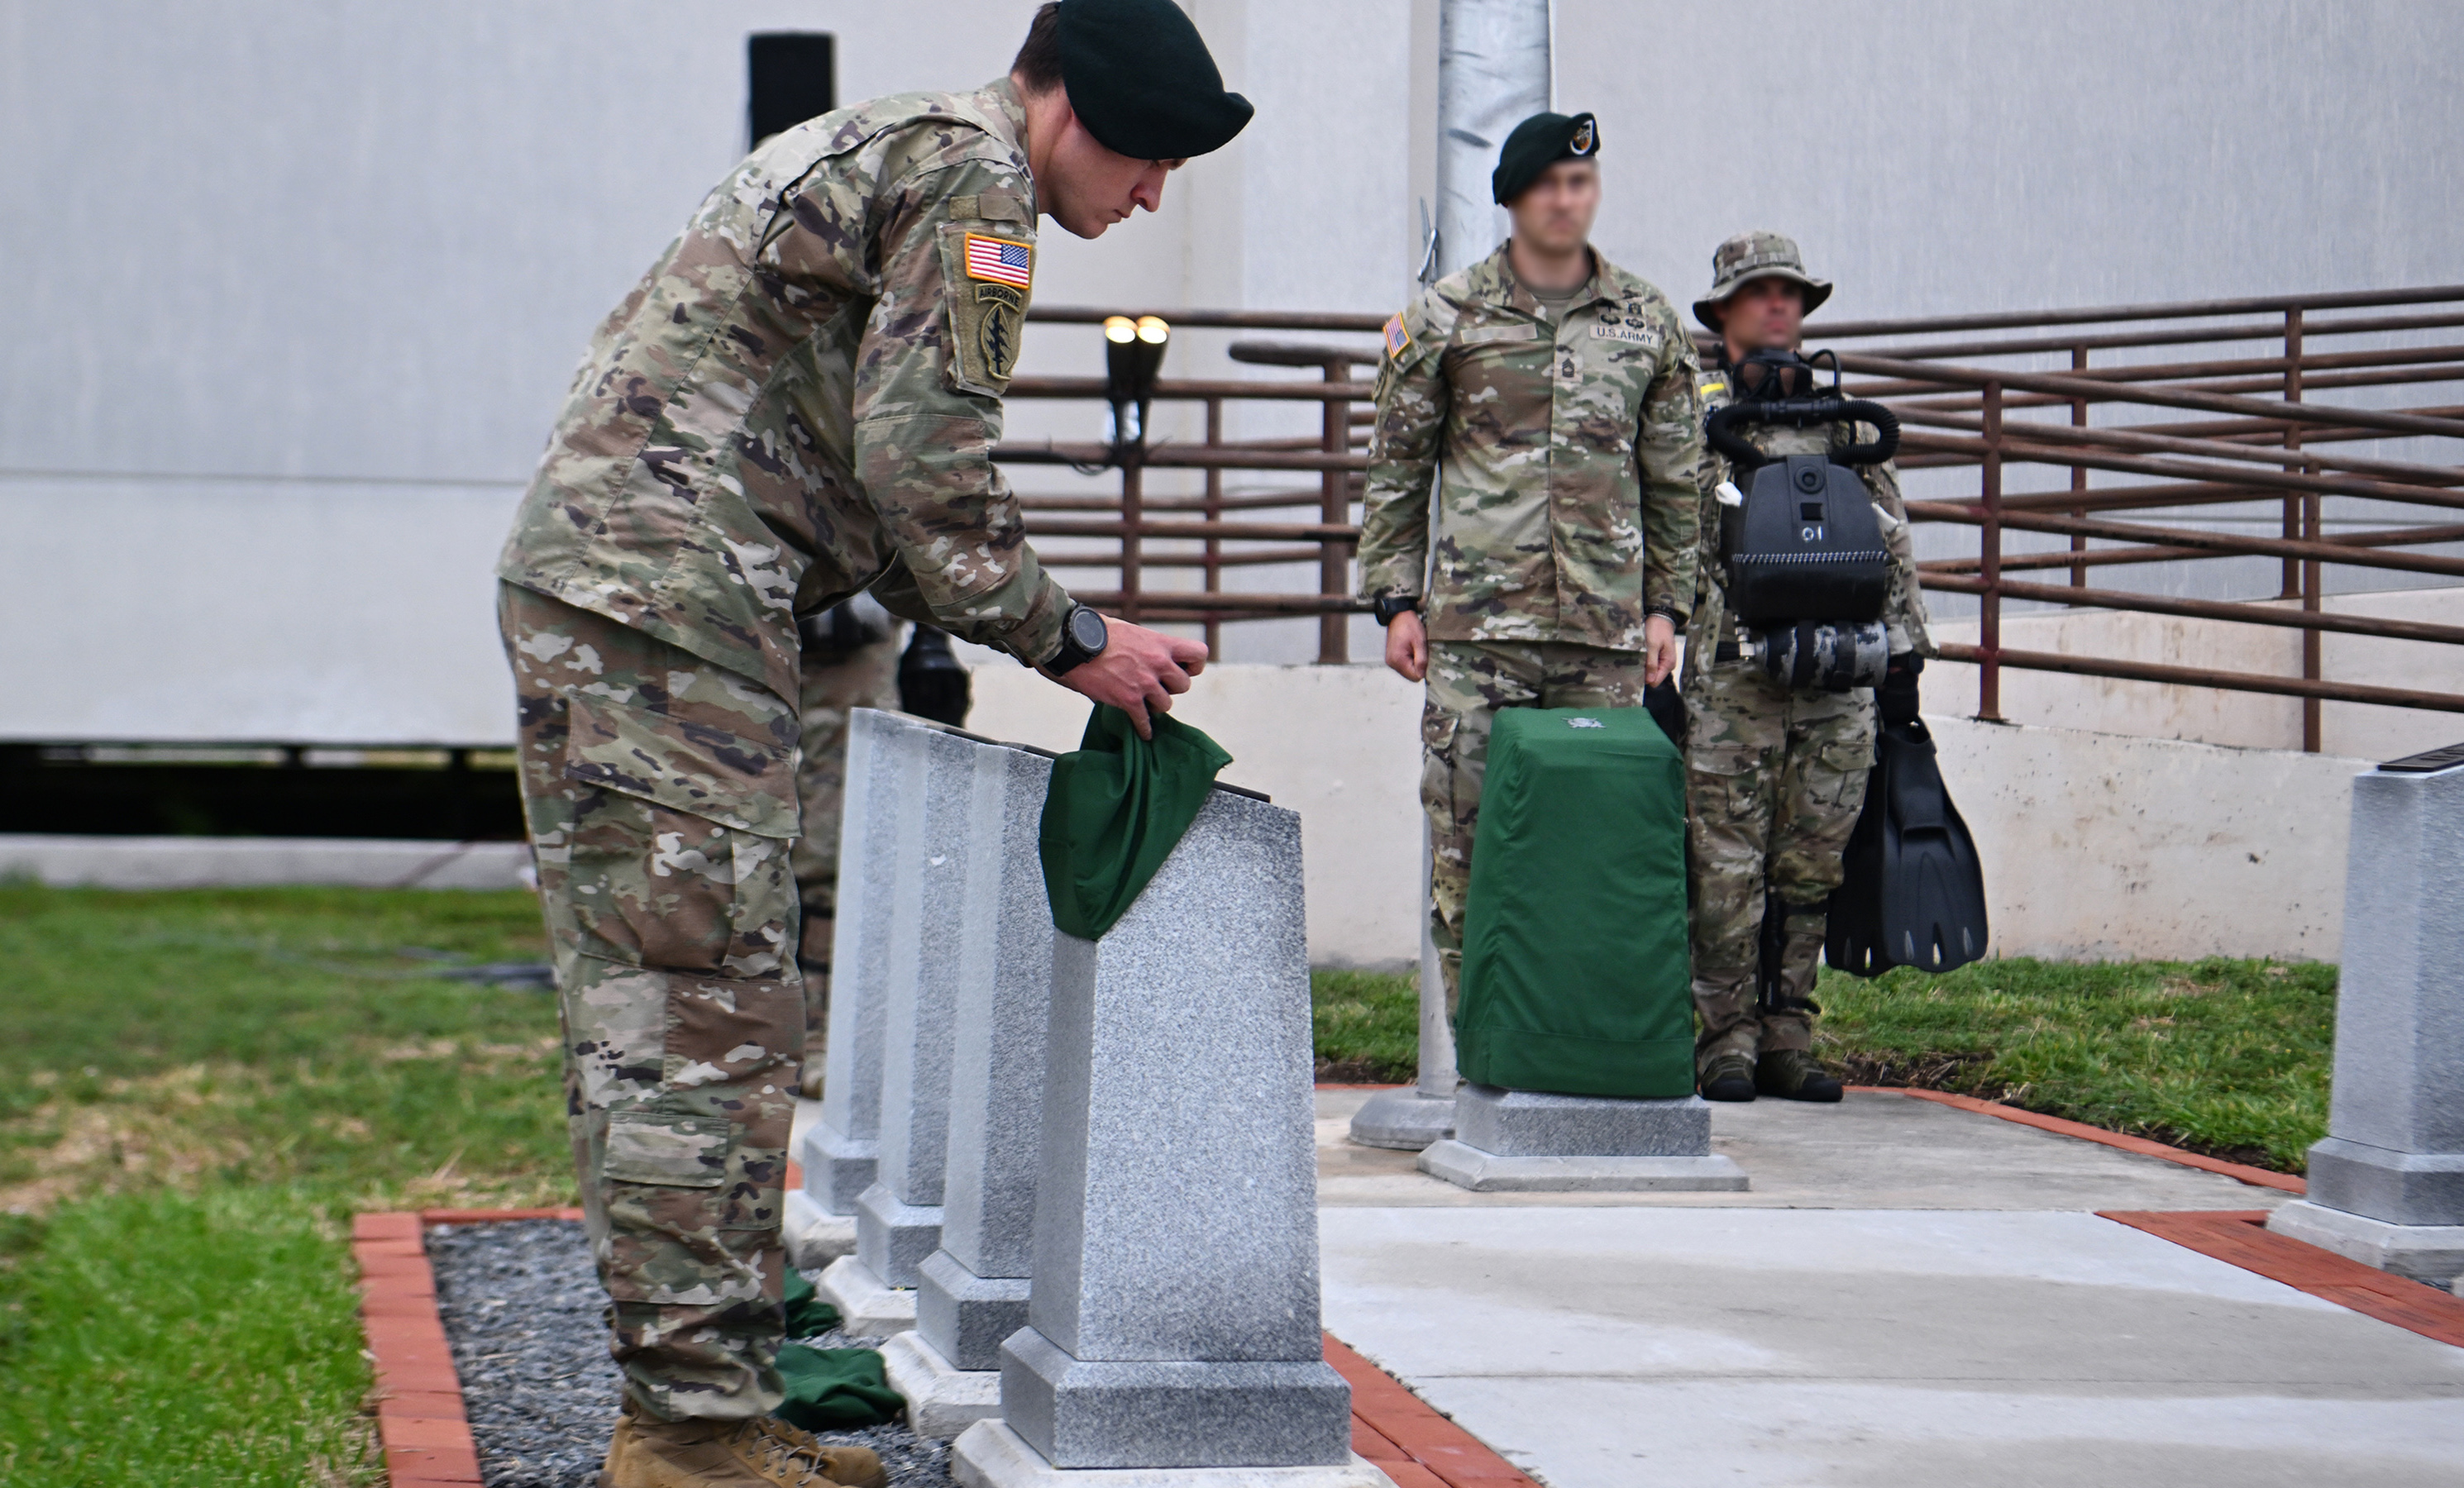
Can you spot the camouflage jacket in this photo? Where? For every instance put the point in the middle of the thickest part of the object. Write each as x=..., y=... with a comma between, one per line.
x=800, y=399
x=1903, y=610
x=1544, y=438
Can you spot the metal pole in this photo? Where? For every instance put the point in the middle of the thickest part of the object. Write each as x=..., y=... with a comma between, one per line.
x=1334, y=506
x=1132, y=503
x=1989, y=625
x=2301, y=513
x=1213, y=514
x=1492, y=73
x=2078, y=473
x=2292, y=580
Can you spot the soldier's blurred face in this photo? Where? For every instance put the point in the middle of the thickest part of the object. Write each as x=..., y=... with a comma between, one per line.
x=1087, y=189
x=1763, y=314
x=1555, y=213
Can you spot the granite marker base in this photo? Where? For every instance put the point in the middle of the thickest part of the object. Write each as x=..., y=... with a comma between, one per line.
x=990, y=1454
x=1522, y=1141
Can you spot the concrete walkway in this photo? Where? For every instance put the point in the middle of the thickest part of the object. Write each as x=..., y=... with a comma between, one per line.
x=1911, y=1295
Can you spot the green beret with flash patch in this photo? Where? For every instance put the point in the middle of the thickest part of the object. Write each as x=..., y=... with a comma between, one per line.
x=1537, y=144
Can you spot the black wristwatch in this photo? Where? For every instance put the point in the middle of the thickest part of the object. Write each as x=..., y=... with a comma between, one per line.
x=1387, y=606
x=1084, y=635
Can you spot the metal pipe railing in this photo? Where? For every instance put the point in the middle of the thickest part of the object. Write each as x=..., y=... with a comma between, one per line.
x=2257, y=433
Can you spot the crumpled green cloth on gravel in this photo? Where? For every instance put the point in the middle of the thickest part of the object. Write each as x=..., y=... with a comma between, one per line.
x=1118, y=807
x=829, y=1390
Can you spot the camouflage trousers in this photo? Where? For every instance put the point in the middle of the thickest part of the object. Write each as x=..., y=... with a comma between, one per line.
x=1773, y=781
x=865, y=677
x=1468, y=682
x=660, y=798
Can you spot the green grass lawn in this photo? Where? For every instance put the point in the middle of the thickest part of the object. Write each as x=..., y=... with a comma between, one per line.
x=2229, y=1058
x=197, y=1090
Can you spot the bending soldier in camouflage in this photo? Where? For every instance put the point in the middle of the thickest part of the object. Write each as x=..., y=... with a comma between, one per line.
x=798, y=402
x=1552, y=397
x=1776, y=777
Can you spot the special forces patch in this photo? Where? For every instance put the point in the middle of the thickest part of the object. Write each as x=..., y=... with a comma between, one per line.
x=1585, y=139
x=989, y=280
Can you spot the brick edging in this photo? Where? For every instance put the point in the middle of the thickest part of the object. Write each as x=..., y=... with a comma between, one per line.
x=419, y=1423
x=2141, y=1145
x=426, y=1435
x=1406, y=1438
x=2240, y=1237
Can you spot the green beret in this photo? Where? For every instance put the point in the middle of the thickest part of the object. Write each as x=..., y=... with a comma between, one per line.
x=1537, y=144
x=1140, y=79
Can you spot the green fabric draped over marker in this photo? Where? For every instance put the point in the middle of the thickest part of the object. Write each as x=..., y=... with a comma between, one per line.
x=1575, y=969
x=829, y=1390
x=1118, y=807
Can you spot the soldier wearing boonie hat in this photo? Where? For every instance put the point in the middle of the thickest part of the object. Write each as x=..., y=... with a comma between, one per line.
x=797, y=404
x=1550, y=395
x=1776, y=777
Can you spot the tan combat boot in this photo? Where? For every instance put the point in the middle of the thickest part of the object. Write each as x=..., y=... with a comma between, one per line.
x=762, y=1451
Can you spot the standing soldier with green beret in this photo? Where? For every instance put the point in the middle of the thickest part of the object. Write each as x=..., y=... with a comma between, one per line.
x=1776, y=775
x=1552, y=396
x=798, y=402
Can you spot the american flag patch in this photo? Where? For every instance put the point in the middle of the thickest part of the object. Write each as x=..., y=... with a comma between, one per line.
x=1001, y=260
x=1396, y=337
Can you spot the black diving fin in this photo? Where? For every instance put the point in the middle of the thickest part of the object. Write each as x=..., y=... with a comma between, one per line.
x=1913, y=894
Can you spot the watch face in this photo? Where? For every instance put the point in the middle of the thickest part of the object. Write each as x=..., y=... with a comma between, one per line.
x=1087, y=630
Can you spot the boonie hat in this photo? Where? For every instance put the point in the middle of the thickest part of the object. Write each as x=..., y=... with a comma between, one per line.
x=1756, y=256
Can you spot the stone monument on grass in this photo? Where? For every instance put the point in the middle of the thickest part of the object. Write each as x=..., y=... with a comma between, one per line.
x=972, y=1292
x=1173, y=1323
x=2386, y=1185
x=840, y=1153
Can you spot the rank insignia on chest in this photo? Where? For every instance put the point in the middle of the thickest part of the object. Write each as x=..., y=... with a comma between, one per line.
x=1001, y=260
x=1396, y=337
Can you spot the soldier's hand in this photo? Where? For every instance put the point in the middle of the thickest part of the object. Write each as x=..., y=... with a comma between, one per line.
x=1137, y=671
x=1407, y=647
x=1659, y=649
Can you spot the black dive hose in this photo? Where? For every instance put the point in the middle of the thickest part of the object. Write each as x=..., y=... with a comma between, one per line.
x=1721, y=427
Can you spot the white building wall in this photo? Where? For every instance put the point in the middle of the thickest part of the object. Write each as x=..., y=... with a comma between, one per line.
x=294, y=288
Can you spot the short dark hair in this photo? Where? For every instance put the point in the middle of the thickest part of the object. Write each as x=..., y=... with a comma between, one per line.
x=1038, y=66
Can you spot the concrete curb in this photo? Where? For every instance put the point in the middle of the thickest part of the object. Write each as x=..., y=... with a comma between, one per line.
x=65, y=860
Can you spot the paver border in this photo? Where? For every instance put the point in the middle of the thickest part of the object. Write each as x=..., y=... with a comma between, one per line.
x=2240, y=1237
x=2144, y=1148
x=426, y=1432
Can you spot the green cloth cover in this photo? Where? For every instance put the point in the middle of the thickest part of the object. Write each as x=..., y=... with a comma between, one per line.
x=1575, y=977
x=829, y=1390
x=835, y=1390
x=807, y=1315
x=1117, y=807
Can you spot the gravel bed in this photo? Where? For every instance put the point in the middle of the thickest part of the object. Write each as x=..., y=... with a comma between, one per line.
x=524, y=1314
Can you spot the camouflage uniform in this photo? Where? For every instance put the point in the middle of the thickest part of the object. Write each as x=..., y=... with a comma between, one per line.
x=865, y=677
x=1774, y=776
x=798, y=401
x=1547, y=554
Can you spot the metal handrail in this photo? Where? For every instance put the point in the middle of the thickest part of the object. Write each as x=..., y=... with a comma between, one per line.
x=2242, y=428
